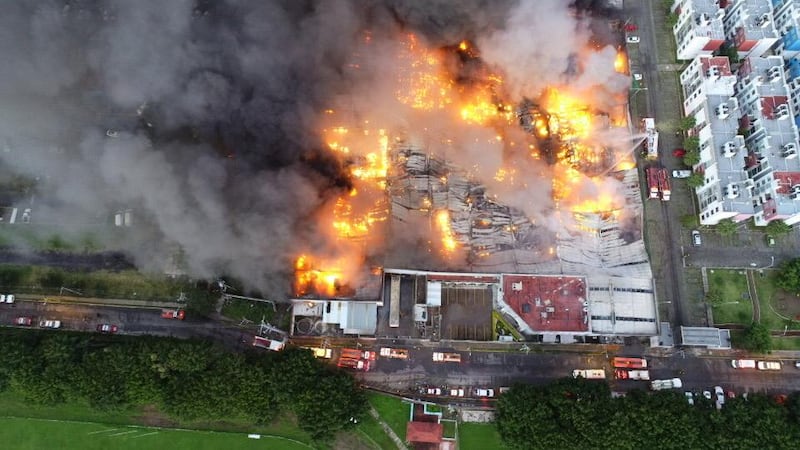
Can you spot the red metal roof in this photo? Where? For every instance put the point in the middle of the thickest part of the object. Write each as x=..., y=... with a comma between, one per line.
x=785, y=181
x=769, y=104
x=720, y=62
x=424, y=432
x=547, y=303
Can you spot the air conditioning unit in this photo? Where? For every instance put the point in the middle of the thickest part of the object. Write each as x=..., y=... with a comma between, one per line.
x=774, y=73
x=729, y=149
x=789, y=151
x=794, y=194
x=749, y=183
x=704, y=20
x=712, y=72
x=731, y=191
x=782, y=111
x=723, y=111
x=762, y=20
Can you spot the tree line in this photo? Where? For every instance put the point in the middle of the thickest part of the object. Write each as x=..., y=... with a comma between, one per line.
x=190, y=380
x=576, y=413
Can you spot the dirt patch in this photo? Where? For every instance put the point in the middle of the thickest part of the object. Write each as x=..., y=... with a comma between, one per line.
x=787, y=305
x=348, y=441
x=152, y=417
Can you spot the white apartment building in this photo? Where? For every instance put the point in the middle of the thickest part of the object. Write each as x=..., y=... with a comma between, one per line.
x=750, y=27
x=748, y=140
x=699, y=30
x=787, y=23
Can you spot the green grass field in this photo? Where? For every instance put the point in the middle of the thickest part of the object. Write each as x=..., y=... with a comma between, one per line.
x=479, y=436
x=776, y=306
x=735, y=307
x=34, y=434
x=392, y=410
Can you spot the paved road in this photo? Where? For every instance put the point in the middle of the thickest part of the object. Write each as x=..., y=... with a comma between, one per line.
x=490, y=368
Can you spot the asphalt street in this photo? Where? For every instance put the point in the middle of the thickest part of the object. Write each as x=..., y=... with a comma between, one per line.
x=481, y=366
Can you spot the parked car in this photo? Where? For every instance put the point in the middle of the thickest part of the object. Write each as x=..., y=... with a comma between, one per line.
x=707, y=395
x=696, y=239
x=769, y=365
x=107, y=328
x=637, y=76
x=720, y=395
x=23, y=321
x=632, y=39
x=459, y=392
x=631, y=27
x=178, y=314
x=689, y=397
x=50, y=323
x=433, y=391
x=681, y=173
x=743, y=363
x=797, y=364
x=731, y=394
x=770, y=241
x=679, y=153
x=484, y=393
x=9, y=298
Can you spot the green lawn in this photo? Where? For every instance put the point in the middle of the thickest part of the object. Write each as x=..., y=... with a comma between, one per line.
x=735, y=307
x=479, y=436
x=768, y=293
x=392, y=410
x=14, y=406
x=370, y=431
x=449, y=428
x=238, y=309
x=42, y=433
x=785, y=343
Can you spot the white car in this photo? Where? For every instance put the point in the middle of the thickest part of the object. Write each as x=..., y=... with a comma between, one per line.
x=743, y=363
x=769, y=365
x=10, y=298
x=720, y=395
x=697, y=241
x=456, y=392
x=112, y=133
x=637, y=76
x=681, y=173
x=484, y=393
x=433, y=391
x=50, y=324
x=707, y=395
x=632, y=39
x=689, y=398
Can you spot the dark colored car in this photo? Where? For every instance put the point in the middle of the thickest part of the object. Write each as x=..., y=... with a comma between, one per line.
x=23, y=321
x=107, y=328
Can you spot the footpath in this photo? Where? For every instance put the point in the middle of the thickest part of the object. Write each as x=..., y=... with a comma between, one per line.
x=94, y=301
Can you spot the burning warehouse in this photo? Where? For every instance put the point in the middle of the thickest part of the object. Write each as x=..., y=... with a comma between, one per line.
x=476, y=188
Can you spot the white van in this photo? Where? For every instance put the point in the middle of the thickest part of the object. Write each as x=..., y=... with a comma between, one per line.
x=743, y=364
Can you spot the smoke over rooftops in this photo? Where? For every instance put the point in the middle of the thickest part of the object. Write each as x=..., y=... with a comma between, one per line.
x=216, y=106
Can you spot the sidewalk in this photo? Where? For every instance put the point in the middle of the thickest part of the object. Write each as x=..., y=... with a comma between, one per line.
x=93, y=301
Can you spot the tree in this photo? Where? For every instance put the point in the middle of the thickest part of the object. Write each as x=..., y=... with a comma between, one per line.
x=757, y=338
x=778, y=227
x=691, y=158
x=727, y=227
x=691, y=143
x=687, y=123
x=789, y=276
x=695, y=180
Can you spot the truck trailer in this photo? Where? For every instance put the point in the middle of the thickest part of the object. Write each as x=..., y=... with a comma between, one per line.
x=589, y=374
x=659, y=385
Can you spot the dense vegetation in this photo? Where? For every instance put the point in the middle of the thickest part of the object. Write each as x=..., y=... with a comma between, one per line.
x=789, y=276
x=190, y=380
x=574, y=413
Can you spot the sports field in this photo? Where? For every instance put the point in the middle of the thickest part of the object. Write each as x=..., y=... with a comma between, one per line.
x=37, y=434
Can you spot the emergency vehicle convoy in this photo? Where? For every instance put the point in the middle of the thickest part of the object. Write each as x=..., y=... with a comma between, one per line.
x=622, y=374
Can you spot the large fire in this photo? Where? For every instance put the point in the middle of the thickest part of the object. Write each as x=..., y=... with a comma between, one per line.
x=425, y=82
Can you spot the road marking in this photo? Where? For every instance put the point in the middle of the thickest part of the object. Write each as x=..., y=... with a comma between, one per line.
x=104, y=431
x=146, y=434
x=124, y=432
